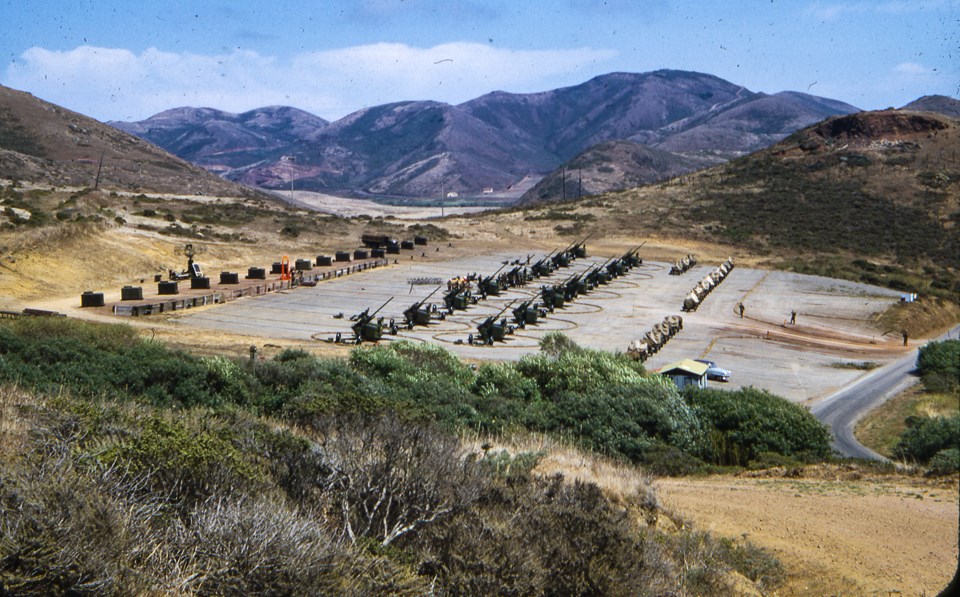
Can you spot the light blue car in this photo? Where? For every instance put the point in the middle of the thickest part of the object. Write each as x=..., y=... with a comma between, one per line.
x=714, y=372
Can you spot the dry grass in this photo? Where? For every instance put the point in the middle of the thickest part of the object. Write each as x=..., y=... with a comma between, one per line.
x=625, y=485
x=14, y=420
x=922, y=317
x=881, y=428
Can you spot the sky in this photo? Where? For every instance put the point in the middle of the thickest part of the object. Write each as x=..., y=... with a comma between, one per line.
x=122, y=60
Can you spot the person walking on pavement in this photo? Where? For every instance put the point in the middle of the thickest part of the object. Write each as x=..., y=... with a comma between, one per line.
x=793, y=317
x=740, y=308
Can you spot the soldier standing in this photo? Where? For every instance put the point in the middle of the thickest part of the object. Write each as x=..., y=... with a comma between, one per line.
x=793, y=317
x=740, y=308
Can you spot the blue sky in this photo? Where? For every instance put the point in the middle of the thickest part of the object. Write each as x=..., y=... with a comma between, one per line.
x=118, y=60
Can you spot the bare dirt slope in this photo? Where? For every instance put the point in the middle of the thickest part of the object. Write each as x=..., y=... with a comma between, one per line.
x=835, y=530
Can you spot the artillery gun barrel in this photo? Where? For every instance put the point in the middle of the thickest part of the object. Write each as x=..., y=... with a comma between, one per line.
x=582, y=242
x=504, y=310
x=490, y=277
x=493, y=318
x=374, y=314
x=425, y=299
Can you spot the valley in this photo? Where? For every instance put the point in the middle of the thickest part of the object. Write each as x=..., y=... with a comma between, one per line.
x=829, y=225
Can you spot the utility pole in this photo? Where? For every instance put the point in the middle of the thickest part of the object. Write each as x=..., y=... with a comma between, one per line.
x=579, y=183
x=96, y=183
x=563, y=183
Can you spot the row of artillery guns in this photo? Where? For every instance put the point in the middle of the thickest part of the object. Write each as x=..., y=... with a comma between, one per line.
x=683, y=264
x=555, y=296
x=460, y=294
x=656, y=338
x=367, y=327
x=706, y=285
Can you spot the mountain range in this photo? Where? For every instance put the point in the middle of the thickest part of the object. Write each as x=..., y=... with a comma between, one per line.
x=489, y=144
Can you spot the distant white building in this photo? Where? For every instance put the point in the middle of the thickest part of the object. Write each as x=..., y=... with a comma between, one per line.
x=452, y=195
x=487, y=190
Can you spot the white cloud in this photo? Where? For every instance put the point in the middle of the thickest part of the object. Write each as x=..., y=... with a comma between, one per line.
x=912, y=69
x=117, y=84
x=829, y=11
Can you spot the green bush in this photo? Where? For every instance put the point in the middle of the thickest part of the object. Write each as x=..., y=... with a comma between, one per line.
x=926, y=436
x=945, y=462
x=743, y=424
x=624, y=420
x=601, y=401
x=581, y=370
x=110, y=361
x=939, y=364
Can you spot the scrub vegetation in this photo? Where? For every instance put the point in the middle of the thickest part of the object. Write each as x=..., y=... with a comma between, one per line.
x=922, y=426
x=129, y=468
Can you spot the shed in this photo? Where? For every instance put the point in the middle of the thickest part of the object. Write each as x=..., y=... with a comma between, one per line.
x=686, y=373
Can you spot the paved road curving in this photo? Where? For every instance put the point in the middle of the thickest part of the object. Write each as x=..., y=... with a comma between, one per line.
x=843, y=409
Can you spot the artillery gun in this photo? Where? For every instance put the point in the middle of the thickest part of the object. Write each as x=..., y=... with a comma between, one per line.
x=543, y=267
x=575, y=284
x=599, y=275
x=607, y=271
x=517, y=276
x=490, y=286
x=617, y=268
x=459, y=299
x=631, y=258
x=528, y=313
x=418, y=313
x=553, y=296
x=579, y=250
x=564, y=257
x=367, y=326
x=493, y=329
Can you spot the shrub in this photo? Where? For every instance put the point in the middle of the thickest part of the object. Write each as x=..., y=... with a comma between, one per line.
x=624, y=420
x=389, y=479
x=422, y=380
x=945, y=462
x=741, y=425
x=939, y=364
x=580, y=370
x=926, y=436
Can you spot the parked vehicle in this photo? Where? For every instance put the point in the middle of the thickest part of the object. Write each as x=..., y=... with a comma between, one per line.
x=714, y=372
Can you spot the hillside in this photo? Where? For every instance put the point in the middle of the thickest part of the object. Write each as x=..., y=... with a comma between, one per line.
x=42, y=142
x=491, y=142
x=940, y=104
x=215, y=444
x=219, y=140
x=611, y=166
x=873, y=196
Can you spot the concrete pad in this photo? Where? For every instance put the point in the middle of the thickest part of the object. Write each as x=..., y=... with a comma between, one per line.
x=835, y=321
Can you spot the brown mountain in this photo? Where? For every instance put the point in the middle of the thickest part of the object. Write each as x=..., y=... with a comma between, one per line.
x=494, y=141
x=940, y=104
x=611, y=166
x=219, y=140
x=42, y=142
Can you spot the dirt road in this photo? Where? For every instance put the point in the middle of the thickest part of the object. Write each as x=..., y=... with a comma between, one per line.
x=838, y=531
